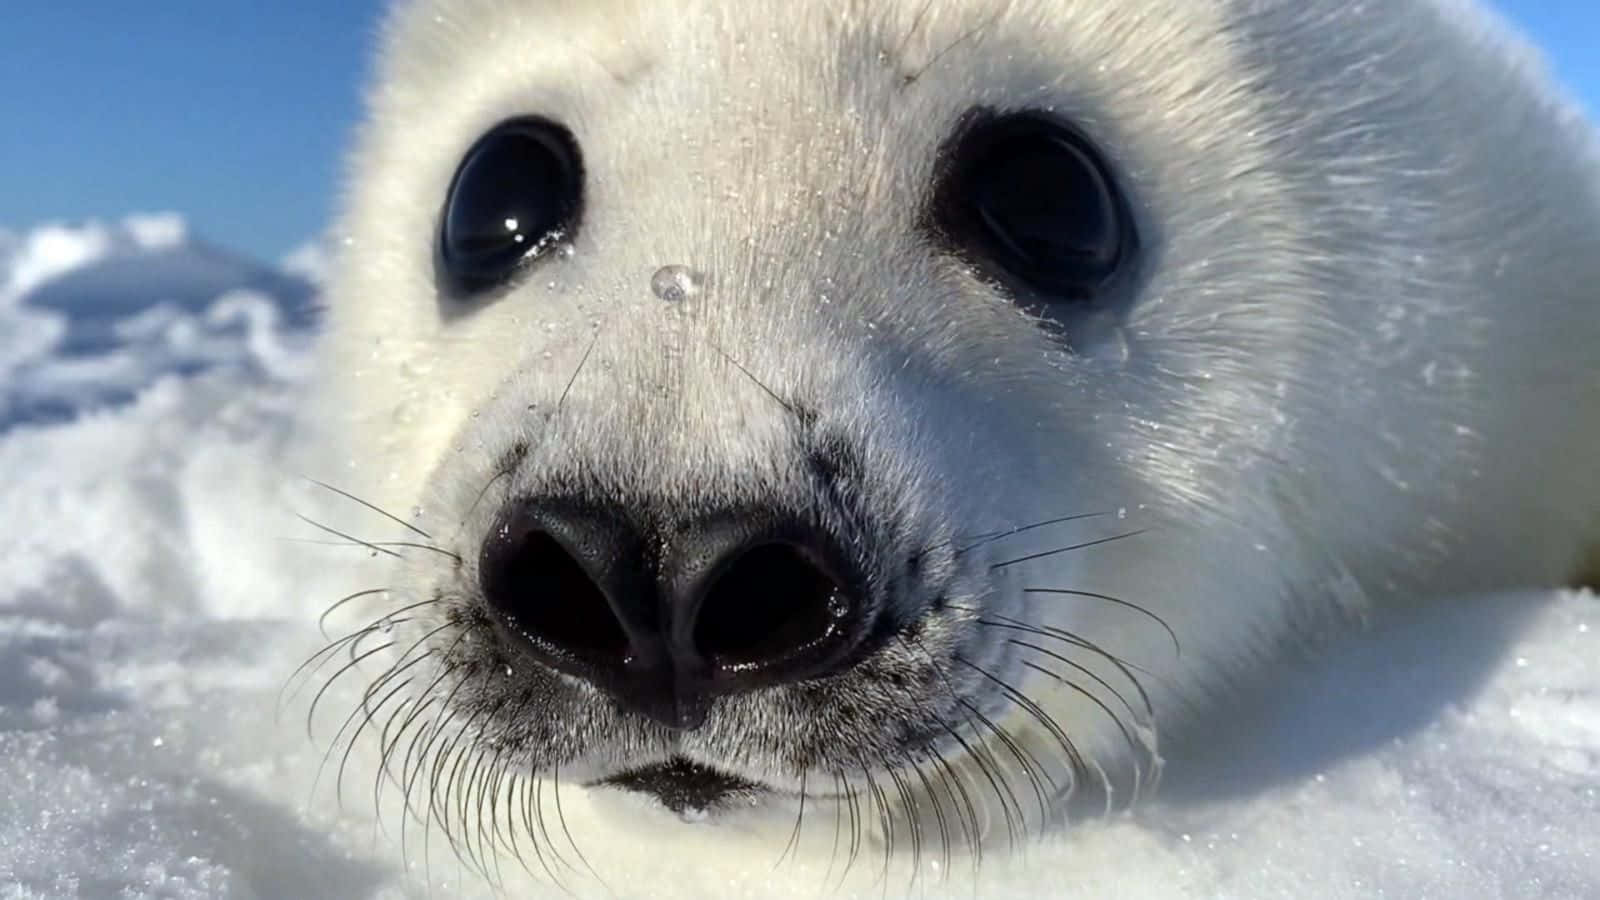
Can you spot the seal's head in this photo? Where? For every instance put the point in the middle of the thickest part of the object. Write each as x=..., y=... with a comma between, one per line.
x=919, y=400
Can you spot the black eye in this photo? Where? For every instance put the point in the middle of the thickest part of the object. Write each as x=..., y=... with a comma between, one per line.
x=517, y=193
x=1026, y=199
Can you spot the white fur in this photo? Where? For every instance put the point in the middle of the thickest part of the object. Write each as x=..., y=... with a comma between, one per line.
x=1361, y=368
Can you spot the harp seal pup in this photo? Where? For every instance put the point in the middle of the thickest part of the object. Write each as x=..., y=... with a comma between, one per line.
x=917, y=413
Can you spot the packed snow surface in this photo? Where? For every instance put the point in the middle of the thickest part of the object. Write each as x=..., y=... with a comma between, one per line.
x=157, y=591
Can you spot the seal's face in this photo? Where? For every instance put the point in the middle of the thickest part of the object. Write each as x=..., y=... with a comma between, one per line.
x=871, y=397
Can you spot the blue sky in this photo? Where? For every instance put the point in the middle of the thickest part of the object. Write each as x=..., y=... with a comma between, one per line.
x=235, y=112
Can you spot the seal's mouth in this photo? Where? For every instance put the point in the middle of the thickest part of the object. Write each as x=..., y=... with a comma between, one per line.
x=684, y=786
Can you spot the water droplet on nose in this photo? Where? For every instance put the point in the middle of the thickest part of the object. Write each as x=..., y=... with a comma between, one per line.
x=675, y=284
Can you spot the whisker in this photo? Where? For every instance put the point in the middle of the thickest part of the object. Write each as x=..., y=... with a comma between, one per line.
x=517, y=815
x=584, y=361
x=544, y=826
x=1027, y=629
x=1078, y=762
x=1127, y=736
x=434, y=808
x=321, y=657
x=484, y=789
x=1032, y=769
x=916, y=23
x=908, y=803
x=311, y=714
x=789, y=407
x=938, y=813
x=995, y=776
x=966, y=812
x=463, y=791
x=454, y=788
x=1074, y=758
x=1090, y=674
x=368, y=711
x=422, y=743
x=988, y=767
x=407, y=812
x=322, y=620
x=529, y=803
x=482, y=492
x=794, y=836
x=448, y=554
x=316, y=780
x=1076, y=640
x=1177, y=647
x=908, y=80
x=312, y=663
x=979, y=540
x=460, y=785
x=500, y=772
x=838, y=824
x=561, y=818
x=880, y=804
x=351, y=538
x=852, y=800
x=381, y=544
x=377, y=509
x=400, y=665
x=327, y=652
x=447, y=707
x=1068, y=549
x=365, y=708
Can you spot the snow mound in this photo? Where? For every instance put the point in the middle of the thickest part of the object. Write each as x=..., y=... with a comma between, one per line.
x=91, y=314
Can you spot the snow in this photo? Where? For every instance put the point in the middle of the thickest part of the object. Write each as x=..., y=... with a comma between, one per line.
x=48, y=252
x=309, y=261
x=91, y=314
x=157, y=592
x=156, y=231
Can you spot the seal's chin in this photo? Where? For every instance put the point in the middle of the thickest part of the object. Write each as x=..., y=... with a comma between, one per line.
x=685, y=787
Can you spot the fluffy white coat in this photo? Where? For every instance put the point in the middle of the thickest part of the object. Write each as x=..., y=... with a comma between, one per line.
x=1359, y=369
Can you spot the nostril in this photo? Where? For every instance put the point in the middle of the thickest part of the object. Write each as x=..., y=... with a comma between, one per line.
x=772, y=605
x=548, y=597
x=664, y=623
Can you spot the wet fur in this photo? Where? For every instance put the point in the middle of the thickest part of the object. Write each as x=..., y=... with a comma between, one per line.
x=1355, y=368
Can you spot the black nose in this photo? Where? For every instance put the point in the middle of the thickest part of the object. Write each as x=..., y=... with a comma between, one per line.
x=666, y=621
